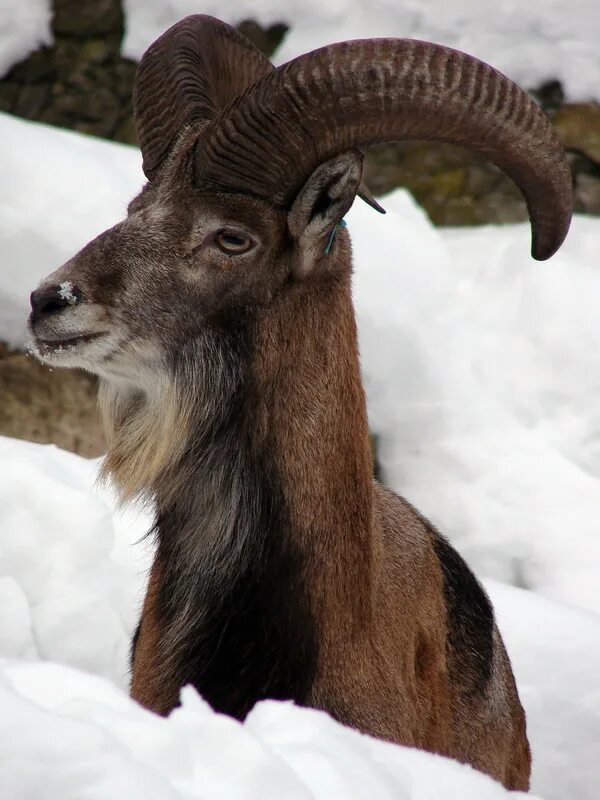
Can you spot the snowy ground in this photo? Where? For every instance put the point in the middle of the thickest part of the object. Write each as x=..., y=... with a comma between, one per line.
x=482, y=370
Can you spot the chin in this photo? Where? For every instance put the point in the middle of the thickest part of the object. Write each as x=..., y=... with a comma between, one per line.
x=86, y=351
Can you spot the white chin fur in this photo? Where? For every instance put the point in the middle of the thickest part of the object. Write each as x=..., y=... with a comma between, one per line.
x=84, y=352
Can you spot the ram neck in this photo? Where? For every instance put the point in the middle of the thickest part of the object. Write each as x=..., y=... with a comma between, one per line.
x=265, y=555
x=311, y=416
x=291, y=461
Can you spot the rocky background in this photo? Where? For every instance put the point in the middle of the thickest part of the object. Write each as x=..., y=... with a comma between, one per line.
x=82, y=82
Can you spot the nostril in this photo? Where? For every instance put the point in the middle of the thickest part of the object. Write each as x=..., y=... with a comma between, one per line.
x=52, y=299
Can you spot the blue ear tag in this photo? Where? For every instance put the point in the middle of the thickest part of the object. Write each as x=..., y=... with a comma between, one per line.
x=341, y=224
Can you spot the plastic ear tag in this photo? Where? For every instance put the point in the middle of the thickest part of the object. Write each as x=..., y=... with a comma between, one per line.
x=341, y=224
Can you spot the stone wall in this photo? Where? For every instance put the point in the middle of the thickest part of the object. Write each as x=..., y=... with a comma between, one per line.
x=44, y=405
x=82, y=82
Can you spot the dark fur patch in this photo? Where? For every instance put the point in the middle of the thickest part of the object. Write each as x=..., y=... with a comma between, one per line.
x=256, y=638
x=470, y=619
x=134, y=641
x=323, y=200
x=252, y=635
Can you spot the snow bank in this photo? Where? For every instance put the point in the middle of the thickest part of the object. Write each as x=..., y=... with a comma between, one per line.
x=72, y=574
x=482, y=367
x=24, y=26
x=66, y=735
x=530, y=42
x=555, y=653
x=70, y=583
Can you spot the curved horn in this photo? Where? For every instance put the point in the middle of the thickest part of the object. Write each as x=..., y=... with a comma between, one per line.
x=187, y=76
x=357, y=93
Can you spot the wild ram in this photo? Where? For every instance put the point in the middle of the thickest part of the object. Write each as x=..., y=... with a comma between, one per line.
x=218, y=316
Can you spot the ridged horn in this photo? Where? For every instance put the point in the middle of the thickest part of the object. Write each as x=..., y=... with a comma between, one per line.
x=362, y=92
x=186, y=77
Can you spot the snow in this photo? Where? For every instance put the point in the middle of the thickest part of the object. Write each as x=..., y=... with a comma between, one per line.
x=482, y=372
x=530, y=42
x=65, y=292
x=68, y=735
x=555, y=654
x=482, y=369
x=84, y=580
x=58, y=190
x=24, y=26
x=73, y=573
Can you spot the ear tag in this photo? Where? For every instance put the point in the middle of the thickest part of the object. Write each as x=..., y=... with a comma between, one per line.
x=341, y=224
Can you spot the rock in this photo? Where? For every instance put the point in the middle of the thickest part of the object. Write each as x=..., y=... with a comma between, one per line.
x=578, y=128
x=126, y=131
x=48, y=406
x=266, y=39
x=38, y=67
x=80, y=18
x=32, y=100
x=587, y=195
x=81, y=82
x=550, y=95
x=454, y=185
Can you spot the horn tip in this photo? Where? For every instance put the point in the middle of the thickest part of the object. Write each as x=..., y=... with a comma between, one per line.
x=545, y=246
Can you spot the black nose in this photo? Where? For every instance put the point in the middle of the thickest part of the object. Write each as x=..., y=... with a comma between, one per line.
x=52, y=299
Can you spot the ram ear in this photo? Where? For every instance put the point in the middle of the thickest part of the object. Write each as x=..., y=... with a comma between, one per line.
x=320, y=205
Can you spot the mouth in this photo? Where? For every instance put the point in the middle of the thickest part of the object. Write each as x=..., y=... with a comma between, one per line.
x=47, y=347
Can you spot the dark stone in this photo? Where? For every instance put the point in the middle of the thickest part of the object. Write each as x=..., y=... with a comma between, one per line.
x=266, y=39
x=550, y=95
x=125, y=131
x=38, y=67
x=587, y=194
x=48, y=406
x=32, y=100
x=80, y=18
x=9, y=95
x=81, y=82
x=454, y=185
x=578, y=128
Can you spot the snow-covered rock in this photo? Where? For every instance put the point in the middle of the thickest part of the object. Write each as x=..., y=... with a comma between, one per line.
x=530, y=42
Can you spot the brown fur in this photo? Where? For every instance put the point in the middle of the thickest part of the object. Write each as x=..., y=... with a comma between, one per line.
x=376, y=583
x=234, y=400
x=146, y=684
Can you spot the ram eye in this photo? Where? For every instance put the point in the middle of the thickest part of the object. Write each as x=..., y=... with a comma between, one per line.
x=233, y=243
